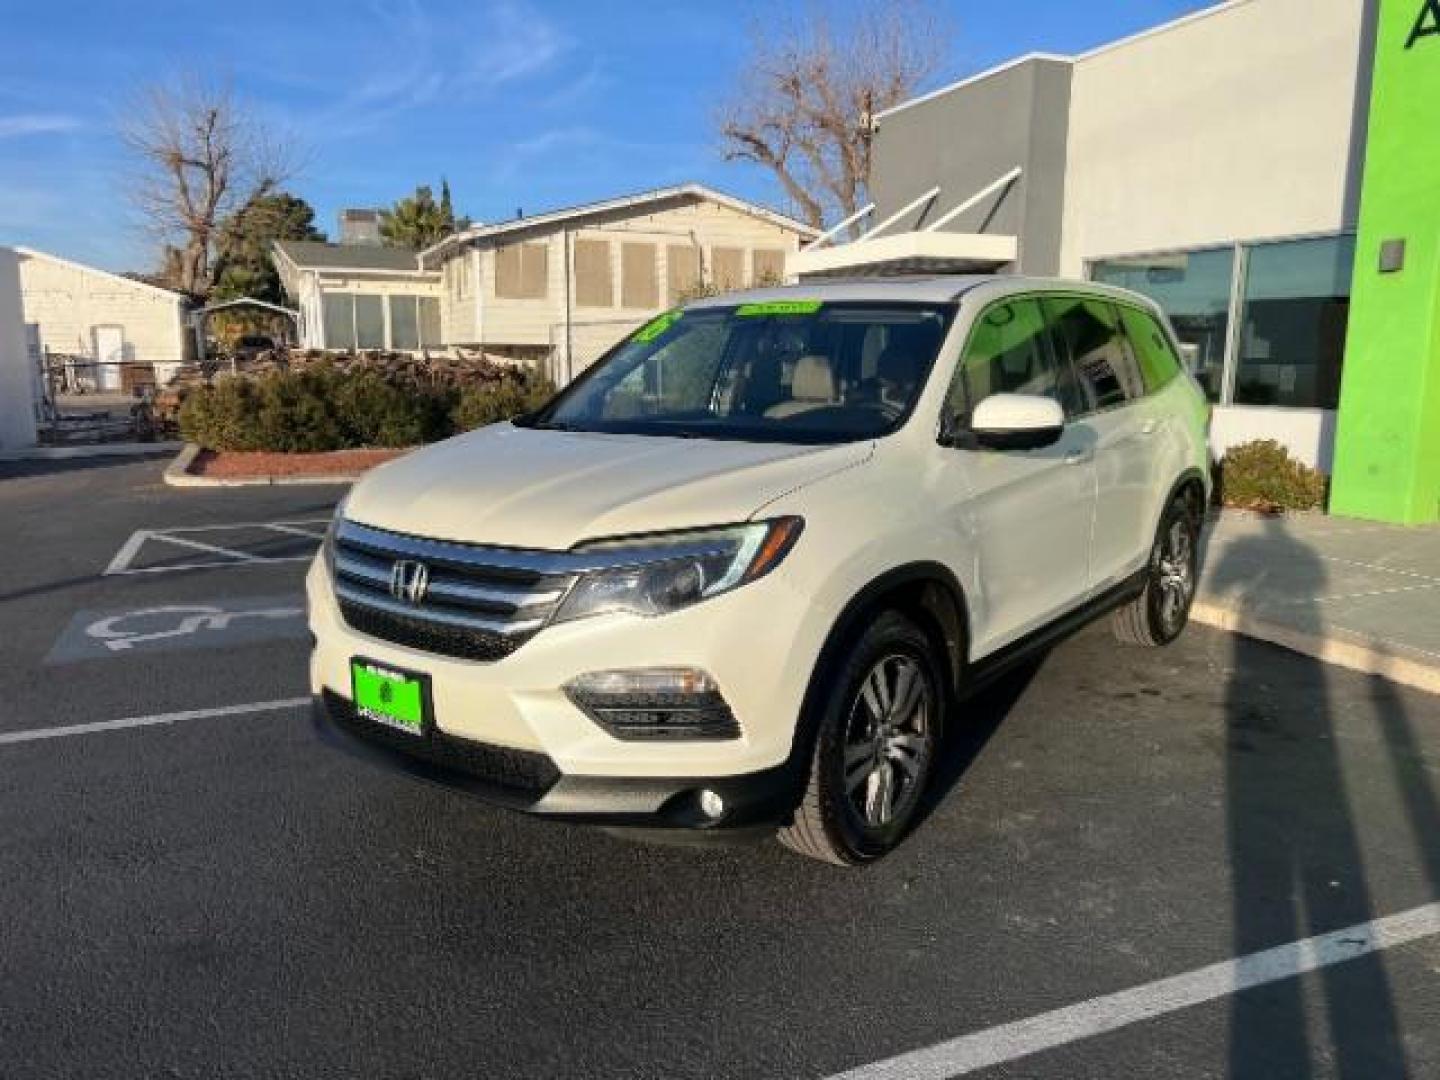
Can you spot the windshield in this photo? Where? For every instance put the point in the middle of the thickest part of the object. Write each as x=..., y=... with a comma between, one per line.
x=789, y=371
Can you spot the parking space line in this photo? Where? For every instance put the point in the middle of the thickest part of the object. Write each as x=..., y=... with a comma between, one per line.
x=1009, y=1042
x=36, y=734
x=241, y=525
x=128, y=550
x=184, y=536
x=211, y=549
x=291, y=530
x=173, y=567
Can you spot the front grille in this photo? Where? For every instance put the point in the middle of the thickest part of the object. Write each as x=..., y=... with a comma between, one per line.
x=520, y=773
x=481, y=603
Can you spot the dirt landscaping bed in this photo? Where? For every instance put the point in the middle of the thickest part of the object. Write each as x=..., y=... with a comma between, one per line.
x=259, y=465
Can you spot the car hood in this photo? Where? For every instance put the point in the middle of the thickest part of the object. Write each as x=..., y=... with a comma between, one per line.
x=521, y=487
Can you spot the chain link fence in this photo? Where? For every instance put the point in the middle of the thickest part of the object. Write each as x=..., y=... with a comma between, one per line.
x=83, y=400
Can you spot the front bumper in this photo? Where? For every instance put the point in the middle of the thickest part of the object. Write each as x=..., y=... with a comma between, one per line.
x=751, y=641
x=531, y=782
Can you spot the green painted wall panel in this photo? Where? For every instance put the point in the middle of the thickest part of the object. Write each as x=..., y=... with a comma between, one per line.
x=1387, y=455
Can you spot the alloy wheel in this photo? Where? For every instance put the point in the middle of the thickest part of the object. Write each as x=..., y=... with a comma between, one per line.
x=1176, y=574
x=888, y=740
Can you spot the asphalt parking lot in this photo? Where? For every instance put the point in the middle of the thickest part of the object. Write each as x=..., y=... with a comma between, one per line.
x=193, y=886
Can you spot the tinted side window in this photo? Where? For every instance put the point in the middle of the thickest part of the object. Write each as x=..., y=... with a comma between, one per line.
x=1088, y=332
x=1008, y=353
x=1158, y=362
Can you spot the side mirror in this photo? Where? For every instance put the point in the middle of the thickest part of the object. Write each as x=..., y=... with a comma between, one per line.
x=1017, y=422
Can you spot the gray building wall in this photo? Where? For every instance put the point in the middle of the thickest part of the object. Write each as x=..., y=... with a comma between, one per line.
x=965, y=138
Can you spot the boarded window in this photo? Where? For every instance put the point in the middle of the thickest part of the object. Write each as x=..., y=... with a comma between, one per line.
x=520, y=271
x=430, y=334
x=639, y=283
x=404, y=330
x=768, y=266
x=370, y=322
x=728, y=269
x=339, y=317
x=593, y=284
x=682, y=272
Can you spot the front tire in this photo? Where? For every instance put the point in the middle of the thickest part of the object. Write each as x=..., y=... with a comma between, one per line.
x=1159, y=614
x=875, y=748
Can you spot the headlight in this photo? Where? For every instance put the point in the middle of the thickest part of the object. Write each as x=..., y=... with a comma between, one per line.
x=656, y=575
x=327, y=545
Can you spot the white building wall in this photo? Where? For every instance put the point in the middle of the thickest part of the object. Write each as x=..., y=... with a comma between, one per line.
x=17, y=387
x=69, y=301
x=1309, y=434
x=1235, y=124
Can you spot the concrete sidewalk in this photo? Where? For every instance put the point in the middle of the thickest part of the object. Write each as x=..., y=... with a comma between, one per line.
x=1355, y=593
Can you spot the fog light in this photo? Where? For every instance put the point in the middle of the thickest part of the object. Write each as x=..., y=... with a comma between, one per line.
x=643, y=681
x=655, y=703
x=712, y=805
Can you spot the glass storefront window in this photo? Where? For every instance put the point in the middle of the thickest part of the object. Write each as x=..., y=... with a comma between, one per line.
x=1292, y=327
x=1194, y=289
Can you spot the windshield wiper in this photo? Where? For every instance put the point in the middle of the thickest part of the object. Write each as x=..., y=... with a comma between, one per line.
x=553, y=425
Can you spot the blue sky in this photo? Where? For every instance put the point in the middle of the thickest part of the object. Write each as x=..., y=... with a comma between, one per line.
x=520, y=103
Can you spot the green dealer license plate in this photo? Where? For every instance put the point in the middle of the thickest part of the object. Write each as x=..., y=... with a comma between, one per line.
x=397, y=699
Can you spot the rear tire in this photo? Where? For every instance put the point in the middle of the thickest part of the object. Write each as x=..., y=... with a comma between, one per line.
x=879, y=731
x=1159, y=614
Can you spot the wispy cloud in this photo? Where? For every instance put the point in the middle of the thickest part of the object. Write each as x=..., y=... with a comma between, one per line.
x=595, y=153
x=431, y=58
x=519, y=43
x=19, y=124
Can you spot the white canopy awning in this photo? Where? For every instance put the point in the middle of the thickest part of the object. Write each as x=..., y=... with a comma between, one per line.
x=908, y=253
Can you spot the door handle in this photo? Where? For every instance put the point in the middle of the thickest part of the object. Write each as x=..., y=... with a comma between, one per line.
x=1149, y=427
x=1079, y=457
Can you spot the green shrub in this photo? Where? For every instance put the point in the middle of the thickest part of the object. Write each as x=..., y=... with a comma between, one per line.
x=324, y=406
x=501, y=400
x=377, y=413
x=1261, y=475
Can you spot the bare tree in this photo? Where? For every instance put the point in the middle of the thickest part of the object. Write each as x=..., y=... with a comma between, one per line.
x=200, y=155
x=805, y=103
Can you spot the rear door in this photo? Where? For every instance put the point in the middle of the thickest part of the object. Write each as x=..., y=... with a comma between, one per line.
x=1163, y=417
x=1087, y=329
x=1027, y=512
x=109, y=355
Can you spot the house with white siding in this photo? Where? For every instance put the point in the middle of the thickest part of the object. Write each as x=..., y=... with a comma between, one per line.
x=128, y=330
x=558, y=288
x=360, y=296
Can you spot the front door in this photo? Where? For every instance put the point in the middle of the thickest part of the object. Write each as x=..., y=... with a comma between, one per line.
x=1112, y=393
x=1024, y=514
x=109, y=355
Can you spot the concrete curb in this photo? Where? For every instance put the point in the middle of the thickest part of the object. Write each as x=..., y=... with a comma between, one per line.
x=177, y=474
x=1367, y=655
x=98, y=450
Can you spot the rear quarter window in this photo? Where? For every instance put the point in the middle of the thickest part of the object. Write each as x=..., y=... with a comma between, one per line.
x=1158, y=362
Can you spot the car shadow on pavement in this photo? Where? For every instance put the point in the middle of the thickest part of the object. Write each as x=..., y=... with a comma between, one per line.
x=975, y=721
x=1296, y=860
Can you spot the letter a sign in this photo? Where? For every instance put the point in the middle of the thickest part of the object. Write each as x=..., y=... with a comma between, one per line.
x=1427, y=23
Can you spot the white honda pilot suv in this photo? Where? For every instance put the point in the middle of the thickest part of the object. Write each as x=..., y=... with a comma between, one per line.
x=747, y=568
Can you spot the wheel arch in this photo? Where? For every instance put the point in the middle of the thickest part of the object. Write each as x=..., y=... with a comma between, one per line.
x=1191, y=483
x=927, y=592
